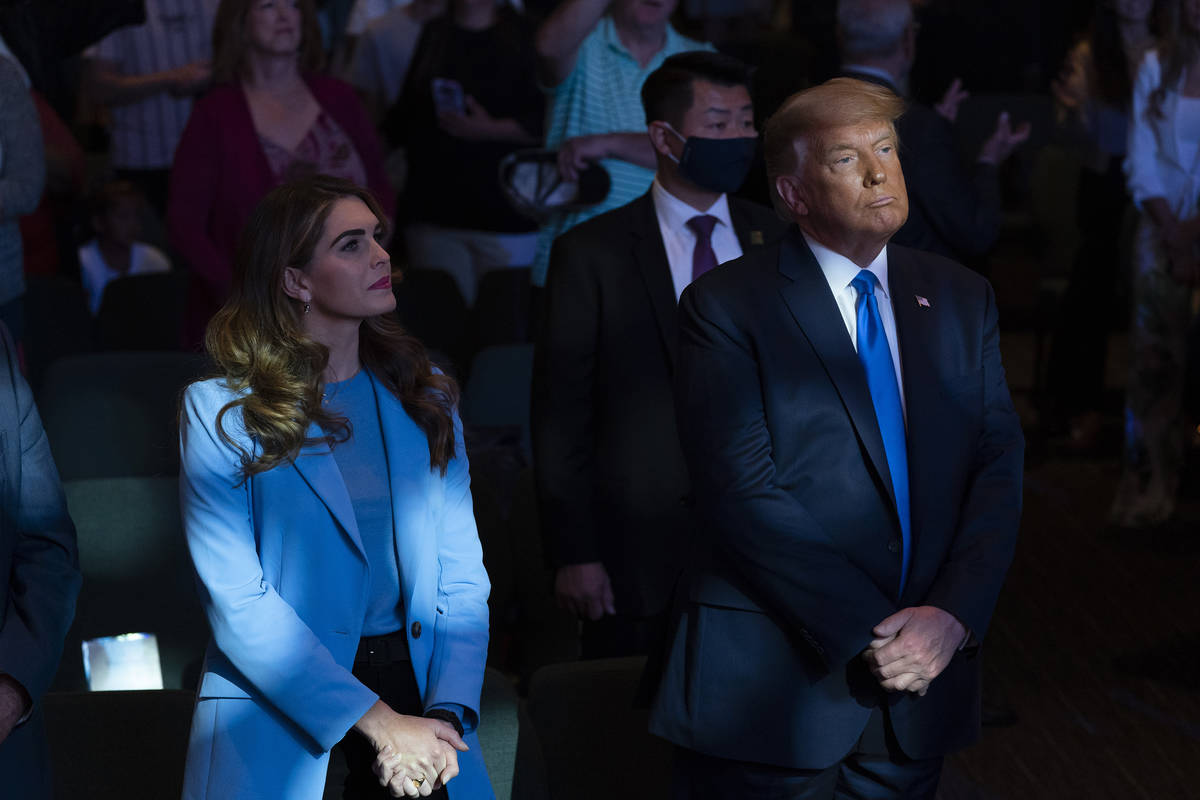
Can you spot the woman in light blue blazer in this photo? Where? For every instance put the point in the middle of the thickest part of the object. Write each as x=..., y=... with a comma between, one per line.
x=327, y=508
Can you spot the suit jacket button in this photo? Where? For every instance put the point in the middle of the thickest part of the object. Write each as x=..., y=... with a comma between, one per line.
x=416, y=630
x=893, y=546
x=685, y=501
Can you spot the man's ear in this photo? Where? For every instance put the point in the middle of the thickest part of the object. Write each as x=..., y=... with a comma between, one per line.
x=295, y=284
x=661, y=138
x=792, y=193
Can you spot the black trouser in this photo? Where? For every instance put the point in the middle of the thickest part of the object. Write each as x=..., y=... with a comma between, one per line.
x=876, y=769
x=384, y=666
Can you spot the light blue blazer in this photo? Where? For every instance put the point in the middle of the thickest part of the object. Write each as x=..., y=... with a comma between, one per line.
x=283, y=579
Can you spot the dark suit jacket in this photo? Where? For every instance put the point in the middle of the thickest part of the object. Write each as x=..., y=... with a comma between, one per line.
x=39, y=573
x=800, y=553
x=611, y=481
x=952, y=211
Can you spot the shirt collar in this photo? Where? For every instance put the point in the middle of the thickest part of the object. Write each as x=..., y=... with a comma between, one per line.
x=675, y=213
x=840, y=271
x=608, y=33
x=877, y=72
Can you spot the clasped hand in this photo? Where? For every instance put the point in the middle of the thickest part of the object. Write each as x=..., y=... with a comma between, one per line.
x=414, y=755
x=912, y=647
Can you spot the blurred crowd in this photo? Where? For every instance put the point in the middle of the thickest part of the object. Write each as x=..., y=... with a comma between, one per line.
x=501, y=137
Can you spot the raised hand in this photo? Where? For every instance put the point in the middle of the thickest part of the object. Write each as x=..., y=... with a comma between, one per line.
x=948, y=107
x=1003, y=140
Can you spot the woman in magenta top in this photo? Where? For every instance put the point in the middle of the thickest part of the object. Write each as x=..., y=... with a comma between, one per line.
x=270, y=117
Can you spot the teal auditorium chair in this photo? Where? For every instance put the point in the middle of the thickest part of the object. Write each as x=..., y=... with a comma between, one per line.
x=498, y=729
x=118, y=745
x=142, y=312
x=136, y=575
x=497, y=390
x=113, y=415
x=584, y=716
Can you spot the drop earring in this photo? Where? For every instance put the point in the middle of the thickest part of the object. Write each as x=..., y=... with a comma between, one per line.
x=307, y=308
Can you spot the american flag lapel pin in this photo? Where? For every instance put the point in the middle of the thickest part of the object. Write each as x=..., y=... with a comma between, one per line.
x=922, y=302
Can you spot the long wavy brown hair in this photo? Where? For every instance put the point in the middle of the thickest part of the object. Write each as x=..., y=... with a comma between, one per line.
x=231, y=40
x=263, y=354
x=1177, y=48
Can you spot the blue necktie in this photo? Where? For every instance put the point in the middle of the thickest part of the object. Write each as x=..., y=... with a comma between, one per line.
x=876, y=358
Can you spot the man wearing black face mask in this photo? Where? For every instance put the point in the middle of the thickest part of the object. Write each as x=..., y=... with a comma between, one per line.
x=612, y=485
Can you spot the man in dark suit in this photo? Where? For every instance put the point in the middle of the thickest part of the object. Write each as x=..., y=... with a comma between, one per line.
x=856, y=463
x=953, y=210
x=39, y=579
x=612, y=486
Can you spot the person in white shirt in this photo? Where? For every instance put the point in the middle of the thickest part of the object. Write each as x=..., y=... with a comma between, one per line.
x=116, y=252
x=612, y=486
x=147, y=76
x=1162, y=169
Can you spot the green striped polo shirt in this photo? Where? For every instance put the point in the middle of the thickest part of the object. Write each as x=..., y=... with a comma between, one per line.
x=602, y=95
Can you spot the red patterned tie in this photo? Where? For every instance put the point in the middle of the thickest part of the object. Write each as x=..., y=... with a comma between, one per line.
x=703, y=257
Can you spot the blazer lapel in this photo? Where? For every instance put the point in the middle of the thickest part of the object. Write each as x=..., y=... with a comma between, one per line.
x=650, y=255
x=316, y=465
x=812, y=305
x=411, y=489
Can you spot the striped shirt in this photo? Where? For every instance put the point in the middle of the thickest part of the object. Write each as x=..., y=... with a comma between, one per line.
x=177, y=32
x=602, y=95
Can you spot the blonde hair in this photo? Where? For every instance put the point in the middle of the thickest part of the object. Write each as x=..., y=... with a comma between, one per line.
x=836, y=103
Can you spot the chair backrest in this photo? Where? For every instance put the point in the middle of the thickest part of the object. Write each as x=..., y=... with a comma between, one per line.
x=116, y=745
x=143, y=312
x=502, y=308
x=431, y=308
x=114, y=414
x=136, y=575
x=585, y=720
x=498, y=729
x=498, y=389
x=57, y=323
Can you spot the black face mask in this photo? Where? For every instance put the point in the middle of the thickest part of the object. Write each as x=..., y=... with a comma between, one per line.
x=719, y=165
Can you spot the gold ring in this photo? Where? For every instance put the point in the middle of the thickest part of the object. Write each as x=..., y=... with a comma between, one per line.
x=418, y=781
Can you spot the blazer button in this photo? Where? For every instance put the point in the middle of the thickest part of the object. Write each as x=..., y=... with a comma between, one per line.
x=893, y=546
x=416, y=630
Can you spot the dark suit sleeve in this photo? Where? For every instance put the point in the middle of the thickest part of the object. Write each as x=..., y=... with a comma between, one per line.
x=43, y=578
x=968, y=584
x=563, y=406
x=962, y=206
x=785, y=559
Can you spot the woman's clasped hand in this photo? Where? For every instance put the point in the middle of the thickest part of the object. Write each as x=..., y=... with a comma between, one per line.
x=415, y=755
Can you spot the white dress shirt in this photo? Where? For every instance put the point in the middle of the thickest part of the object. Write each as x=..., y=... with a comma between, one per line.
x=679, y=240
x=839, y=272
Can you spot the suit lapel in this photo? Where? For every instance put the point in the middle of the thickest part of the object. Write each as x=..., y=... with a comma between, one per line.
x=917, y=332
x=747, y=237
x=317, y=466
x=650, y=255
x=812, y=305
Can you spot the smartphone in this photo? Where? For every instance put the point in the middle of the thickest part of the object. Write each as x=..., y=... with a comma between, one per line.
x=448, y=96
